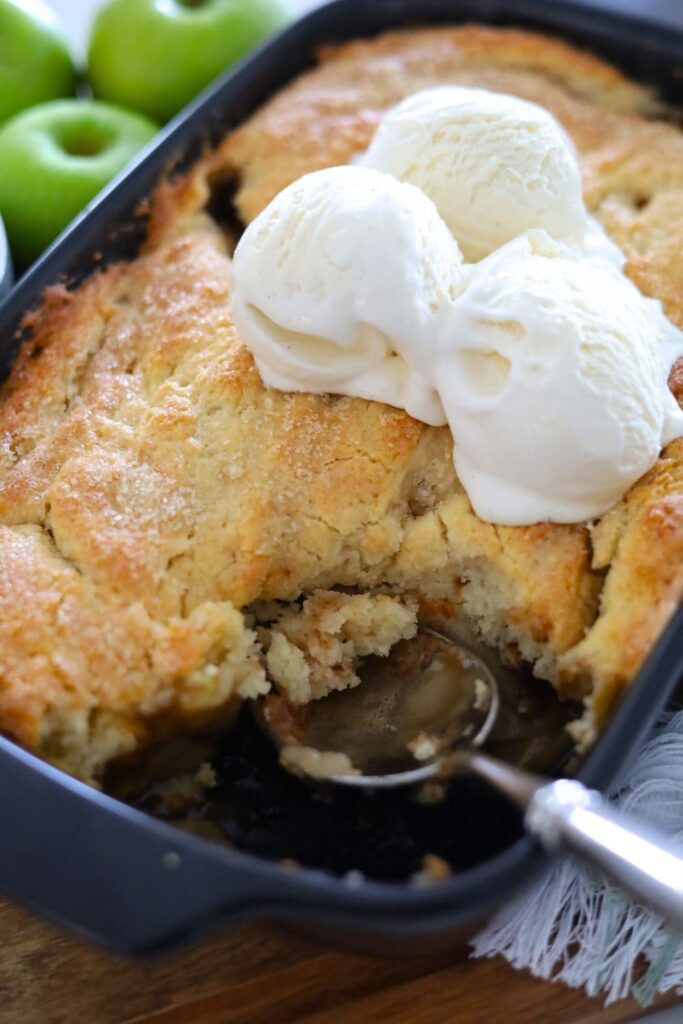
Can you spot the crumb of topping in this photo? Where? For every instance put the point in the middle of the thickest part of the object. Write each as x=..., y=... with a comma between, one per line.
x=424, y=747
x=316, y=764
x=434, y=869
x=314, y=649
x=206, y=776
x=290, y=864
x=583, y=730
x=430, y=793
x=180, y=794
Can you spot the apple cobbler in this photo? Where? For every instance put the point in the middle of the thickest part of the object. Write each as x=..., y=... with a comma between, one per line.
x=175, y=537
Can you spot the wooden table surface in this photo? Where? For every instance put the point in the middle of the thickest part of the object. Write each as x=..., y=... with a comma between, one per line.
x=256, y=975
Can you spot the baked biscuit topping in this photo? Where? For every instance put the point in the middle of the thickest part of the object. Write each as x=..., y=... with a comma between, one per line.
x=151, y=488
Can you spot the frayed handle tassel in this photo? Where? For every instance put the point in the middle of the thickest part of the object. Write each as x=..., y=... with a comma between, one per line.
x=576, y=927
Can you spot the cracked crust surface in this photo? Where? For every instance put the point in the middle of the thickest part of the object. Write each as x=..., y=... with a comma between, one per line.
x=314, y=650
x=151, y=487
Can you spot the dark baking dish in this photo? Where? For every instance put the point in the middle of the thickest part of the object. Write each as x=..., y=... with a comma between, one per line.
x=134, y=883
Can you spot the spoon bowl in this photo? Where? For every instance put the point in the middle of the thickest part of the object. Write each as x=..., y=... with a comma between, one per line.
x=421, y=717
x=399, y=726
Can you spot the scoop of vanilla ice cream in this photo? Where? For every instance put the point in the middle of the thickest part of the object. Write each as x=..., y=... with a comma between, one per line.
x=597, y=247
x=336, y=287
x=553, y=375
x=494, y=165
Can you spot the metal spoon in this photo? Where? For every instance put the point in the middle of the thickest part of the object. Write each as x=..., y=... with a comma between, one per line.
x=445, y=699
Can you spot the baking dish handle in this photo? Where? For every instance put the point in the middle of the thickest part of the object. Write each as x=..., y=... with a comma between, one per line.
x=109, y=872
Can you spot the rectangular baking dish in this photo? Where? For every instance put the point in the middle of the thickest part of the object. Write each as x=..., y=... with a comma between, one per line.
x=133, y=883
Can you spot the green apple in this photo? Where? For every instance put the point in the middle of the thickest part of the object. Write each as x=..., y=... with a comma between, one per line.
x=35, y=64
x=155, y=55
x=54, y=158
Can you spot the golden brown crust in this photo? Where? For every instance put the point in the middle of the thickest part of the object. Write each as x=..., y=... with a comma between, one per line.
x=639, y=544
x=150, y=486
x=633, y=180
x=329, y=114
